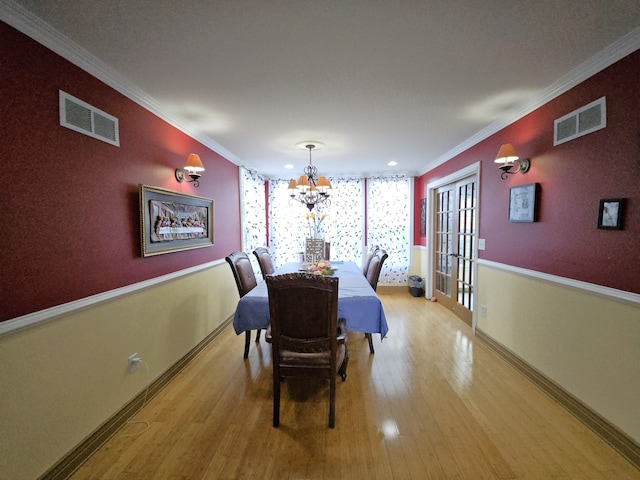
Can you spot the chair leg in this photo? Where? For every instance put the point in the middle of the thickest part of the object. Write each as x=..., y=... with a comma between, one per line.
x=258, y=335
x=247, y=339
x=368, y=335
x=342, y=371
x=332, y=402
x=276, y=401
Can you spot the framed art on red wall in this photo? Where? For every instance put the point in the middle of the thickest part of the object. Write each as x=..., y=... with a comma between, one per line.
x=423, y=217
x=610, y=213
x=523, y=203
x=172, y=221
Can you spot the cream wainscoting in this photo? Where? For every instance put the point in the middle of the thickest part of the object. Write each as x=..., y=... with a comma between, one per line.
x=63, y=377
x=582, y=337
x=418, y=260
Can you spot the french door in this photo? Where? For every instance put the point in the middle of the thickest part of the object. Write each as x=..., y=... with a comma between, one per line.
x=455, y=234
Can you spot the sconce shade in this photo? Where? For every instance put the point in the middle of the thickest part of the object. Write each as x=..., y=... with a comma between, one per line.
x=292, y=184
x=507, y=158
x=194, y=164
x=193, y=167
x=506, y=154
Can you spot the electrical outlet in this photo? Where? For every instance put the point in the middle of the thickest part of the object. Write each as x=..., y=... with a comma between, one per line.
x=483, y=310
x=134, y=361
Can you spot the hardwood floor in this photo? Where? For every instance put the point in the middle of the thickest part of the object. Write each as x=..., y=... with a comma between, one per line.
x=431, y=403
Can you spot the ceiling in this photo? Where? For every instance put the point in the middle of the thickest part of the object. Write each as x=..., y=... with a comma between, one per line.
x=411, y=81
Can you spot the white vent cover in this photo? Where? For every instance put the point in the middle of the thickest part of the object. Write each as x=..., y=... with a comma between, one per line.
x=584, y=120
x=84, y=118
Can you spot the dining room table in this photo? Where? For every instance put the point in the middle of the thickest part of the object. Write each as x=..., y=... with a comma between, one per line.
x=358, y=302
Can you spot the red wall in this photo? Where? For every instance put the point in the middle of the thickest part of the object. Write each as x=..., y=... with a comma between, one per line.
x=69, y=204
x=573, y=178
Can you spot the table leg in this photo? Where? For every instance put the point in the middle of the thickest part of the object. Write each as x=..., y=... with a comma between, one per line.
x=247, y=340
x=368, y=335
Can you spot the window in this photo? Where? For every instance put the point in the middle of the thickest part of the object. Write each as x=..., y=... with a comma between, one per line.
x=388, y=223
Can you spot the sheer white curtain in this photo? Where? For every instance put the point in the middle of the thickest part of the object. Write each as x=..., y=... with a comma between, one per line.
x=344, y=223
x=389, y=206
x=388, y=222
x=287, y=225
x=253, y=211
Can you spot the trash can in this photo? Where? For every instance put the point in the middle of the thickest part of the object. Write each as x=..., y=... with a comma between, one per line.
x=416, y=286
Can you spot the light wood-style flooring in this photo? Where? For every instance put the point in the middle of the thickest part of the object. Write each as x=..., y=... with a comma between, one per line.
x=431, y=403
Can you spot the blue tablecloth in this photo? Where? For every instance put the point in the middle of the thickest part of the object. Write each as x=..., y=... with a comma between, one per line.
x=357, y=302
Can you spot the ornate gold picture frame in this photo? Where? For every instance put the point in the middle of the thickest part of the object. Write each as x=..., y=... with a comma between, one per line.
x=172, y=221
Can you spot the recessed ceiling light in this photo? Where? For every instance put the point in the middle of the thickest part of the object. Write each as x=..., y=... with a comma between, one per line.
x=392, y=163
x=288, y=165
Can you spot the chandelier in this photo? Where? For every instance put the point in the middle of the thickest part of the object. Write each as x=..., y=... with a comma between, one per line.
x=310, y=189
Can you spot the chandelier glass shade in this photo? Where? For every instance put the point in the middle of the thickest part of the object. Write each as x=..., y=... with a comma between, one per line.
x=310, y=188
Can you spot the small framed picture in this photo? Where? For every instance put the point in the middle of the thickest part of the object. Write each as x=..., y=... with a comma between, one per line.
x=610, y=214
x=522, y=203
x=423, y=217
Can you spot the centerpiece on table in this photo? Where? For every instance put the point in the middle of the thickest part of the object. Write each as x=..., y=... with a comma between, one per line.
x=316, y=248
x=322, y=267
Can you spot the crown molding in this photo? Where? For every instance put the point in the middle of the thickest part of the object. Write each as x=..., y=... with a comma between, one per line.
x=605, y=58
x=26, y=22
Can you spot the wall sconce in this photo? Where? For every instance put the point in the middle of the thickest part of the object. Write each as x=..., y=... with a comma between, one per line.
x=507, y=157
x=193, y=167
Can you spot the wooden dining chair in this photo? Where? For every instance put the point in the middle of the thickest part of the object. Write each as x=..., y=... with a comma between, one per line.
x=373, y=275
x=370, y=253
x=265, y=261
x=307, y=338
x=327, y=251
x=245, y=281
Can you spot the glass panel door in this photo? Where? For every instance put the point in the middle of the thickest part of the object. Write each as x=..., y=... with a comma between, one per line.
x=444, y=225
x=455, y=245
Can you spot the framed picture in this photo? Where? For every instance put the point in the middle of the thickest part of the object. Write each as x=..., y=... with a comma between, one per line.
x=610, y=213
x=172, y=221
x=523, y=203
x=423, y=217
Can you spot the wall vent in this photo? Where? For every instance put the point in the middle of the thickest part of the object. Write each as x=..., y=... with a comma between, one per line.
x=84, y=118
x=584, y=120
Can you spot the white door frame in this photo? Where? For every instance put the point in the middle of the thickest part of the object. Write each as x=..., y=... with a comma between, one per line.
x=473, y=169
